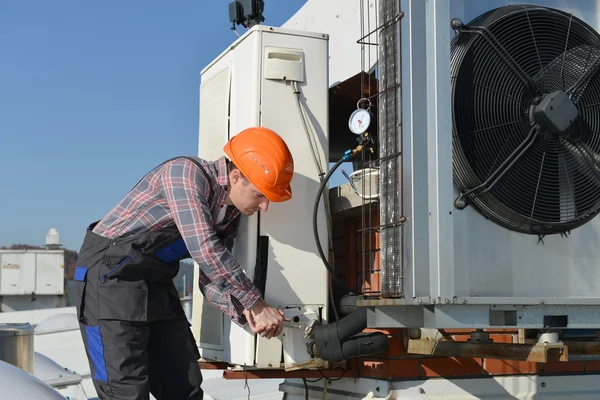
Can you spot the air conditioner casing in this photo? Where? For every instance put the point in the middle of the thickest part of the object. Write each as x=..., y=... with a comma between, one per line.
x=250, y=84
x=459, y=269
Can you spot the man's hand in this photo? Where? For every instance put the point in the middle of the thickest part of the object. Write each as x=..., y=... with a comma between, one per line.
x=265, y=320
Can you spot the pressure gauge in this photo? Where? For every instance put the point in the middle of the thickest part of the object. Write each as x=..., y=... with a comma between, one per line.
x=359, y=121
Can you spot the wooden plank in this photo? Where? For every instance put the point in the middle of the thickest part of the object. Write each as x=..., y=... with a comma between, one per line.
x=502, y=351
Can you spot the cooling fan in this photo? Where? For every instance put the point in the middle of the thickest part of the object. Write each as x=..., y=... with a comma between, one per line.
x=526, y=118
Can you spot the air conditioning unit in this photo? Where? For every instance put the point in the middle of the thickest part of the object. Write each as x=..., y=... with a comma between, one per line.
x=278, y=79
x=501, y=174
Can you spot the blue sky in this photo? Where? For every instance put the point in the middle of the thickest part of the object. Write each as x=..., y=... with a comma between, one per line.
x=94, y=94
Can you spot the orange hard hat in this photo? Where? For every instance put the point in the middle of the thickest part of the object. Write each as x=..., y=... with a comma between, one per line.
x=264, y=159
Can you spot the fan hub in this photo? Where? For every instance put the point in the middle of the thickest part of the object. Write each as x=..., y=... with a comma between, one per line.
x=555, y=114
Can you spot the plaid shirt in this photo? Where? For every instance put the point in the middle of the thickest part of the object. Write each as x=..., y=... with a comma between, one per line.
x=178, y=192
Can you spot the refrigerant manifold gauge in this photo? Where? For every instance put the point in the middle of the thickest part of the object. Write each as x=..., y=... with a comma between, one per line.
x=360, y=119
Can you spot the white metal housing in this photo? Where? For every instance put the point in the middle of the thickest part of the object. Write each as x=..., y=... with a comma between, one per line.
x=252, y=84
x=582, y=387
x=474, y=272
x=23, y=272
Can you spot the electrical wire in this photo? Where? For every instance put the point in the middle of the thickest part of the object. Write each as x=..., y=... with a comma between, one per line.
x=315, y=225
x=305, y=388
x=311, y=136
x=246, y=386
x=325, y=382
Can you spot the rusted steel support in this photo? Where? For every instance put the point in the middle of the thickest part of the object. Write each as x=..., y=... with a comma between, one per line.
x=503, y=351
x=214, y=365
x=278, y=374
x=230, y=371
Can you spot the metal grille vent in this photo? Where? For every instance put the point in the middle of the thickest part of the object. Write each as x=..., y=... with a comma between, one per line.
x=526, y=117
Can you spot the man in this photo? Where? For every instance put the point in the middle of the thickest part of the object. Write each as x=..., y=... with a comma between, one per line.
x=135, y=332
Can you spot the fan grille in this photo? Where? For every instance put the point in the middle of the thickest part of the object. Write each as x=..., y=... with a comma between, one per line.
x=515, y=173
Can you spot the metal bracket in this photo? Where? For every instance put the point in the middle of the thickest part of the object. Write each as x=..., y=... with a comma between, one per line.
x=397, y=18
x=308, y=329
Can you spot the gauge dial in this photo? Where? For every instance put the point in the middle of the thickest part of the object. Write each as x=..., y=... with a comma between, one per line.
x=359, y=121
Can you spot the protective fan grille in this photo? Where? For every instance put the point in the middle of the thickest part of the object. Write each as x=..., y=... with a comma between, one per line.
x=510, y=163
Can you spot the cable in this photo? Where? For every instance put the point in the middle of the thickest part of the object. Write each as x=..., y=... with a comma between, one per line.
x=314, y=148
x=246, y=386
x=305, y=388
x=315, y=225
x=311, y=139
x=333, y=379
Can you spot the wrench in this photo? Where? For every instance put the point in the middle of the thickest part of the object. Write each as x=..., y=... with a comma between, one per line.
x=306, y=328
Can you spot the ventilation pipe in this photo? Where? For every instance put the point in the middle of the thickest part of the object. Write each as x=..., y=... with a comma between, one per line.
x=389, y=150
x=16, y=345
x=343, y=340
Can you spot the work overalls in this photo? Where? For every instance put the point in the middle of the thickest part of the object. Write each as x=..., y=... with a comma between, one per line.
x=135, y=331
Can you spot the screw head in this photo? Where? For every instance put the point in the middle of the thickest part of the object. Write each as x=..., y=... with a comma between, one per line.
x=456, y=23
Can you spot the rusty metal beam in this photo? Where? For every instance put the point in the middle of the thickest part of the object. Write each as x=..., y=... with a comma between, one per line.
x=278, y=374
x=348, y=370
x=214, y=365
x=503, y=351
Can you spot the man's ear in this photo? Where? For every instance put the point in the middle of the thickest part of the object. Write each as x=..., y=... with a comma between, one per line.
x=235, y=176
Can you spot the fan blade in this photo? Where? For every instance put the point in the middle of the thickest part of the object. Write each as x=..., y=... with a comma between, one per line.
x=566, y=190
x=585, y=157
x=577, y=88
x=573, y=69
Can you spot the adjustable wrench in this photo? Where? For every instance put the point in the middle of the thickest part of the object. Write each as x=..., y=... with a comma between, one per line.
x=308, y=329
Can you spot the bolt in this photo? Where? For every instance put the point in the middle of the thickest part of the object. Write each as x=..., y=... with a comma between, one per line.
x=460, y=203
x=377, y=389
x=421, y=390
x=542, y=302
x=456, y=23
x=420, y=301
x=464, y=301
x=433, y=301
x=543, y=384
x=447, y=301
